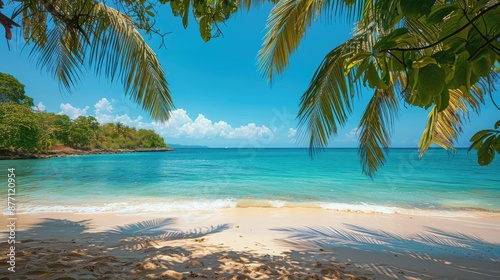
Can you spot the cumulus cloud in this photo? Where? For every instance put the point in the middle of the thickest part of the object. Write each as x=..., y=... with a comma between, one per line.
x=250, y=131
x=72, y=112
x=353, y=133
x=103, y=107
x=179, y=125
x=40, y=107
x=292, y=132
x=104, y=113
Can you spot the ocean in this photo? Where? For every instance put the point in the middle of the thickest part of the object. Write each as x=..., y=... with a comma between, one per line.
x=440, y=184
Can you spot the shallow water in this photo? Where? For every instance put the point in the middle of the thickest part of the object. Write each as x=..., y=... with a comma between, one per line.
x=209, y=179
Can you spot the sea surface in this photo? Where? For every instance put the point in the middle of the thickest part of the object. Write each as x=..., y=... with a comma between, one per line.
x=441, y=183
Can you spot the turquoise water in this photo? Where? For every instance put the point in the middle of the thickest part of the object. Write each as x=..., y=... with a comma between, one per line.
x=210, y=179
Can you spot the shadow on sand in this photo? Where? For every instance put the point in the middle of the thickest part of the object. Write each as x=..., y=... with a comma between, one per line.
x=65, y=250
x=446, y=252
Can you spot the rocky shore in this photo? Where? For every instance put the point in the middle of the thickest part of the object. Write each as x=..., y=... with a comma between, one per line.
x=7, y=154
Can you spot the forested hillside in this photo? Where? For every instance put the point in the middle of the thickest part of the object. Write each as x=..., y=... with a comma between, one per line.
x=23, y=128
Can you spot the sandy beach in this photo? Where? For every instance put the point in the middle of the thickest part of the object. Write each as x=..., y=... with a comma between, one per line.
x=253, y=243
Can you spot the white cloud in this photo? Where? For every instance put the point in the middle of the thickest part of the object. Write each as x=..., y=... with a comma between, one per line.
x=40, y=107
x=73, y=112
x=292, y=132
x=349, y=137
x=103, y=106
x=201, y=127
x=353, y=133
x=250, y=131
x=179, y=125
x=104, y=114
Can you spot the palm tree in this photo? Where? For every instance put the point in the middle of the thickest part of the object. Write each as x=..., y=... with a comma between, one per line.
x=69, y=35
x=397, y=50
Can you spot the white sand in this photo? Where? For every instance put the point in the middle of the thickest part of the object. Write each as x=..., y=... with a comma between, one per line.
x=254, y=243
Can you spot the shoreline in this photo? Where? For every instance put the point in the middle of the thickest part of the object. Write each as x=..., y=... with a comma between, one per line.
x=249, y=243
x=11, y=155
x=129, y=206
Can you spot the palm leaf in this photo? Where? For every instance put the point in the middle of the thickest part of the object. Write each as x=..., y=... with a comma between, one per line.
x=108, y=41
x=327, y=102
x=287, y=25
x=443, y=128
x=119, y=49
x=375, y=127
x=58, y=58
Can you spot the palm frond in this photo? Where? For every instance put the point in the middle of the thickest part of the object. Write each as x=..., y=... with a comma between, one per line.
x=443, y=128
x=426, y=34
x=287, y=25
x=375, y=129
x=117, y=48
x=103, y=38
x=327, y=102
x=58, y=57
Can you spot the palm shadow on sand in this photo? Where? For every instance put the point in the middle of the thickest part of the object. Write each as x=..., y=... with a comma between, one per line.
x=68, y=250
x=472, y=256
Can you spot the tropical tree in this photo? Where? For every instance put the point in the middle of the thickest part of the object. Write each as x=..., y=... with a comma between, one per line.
x=11, y=90
x=151, y=139
x=20, y=128
x=67, y=36
x=61, y=126
x=82, y=132
x=438, y=55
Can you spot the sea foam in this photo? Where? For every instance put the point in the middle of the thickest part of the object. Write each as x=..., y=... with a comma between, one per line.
x=363, y=208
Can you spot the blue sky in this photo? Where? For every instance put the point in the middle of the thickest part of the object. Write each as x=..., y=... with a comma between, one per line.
x=221, y=100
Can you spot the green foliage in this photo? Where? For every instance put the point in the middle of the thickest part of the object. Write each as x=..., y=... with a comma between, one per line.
x=119, y=136
x=438, y=55
x=82, y=132
x=208, y=13
x=150, y=139
x=487, y=143
x=11, y=90
x=415, y=9
x=25, y=129
x=20, y=127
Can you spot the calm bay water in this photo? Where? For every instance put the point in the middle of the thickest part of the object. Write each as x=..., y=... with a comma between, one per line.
x=211, y=179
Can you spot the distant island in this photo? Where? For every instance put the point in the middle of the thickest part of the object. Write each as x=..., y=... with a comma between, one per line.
x=26, y=132
x=60, y=136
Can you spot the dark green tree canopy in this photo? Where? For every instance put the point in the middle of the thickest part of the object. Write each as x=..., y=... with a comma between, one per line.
x=19, y=127
x=11, y=90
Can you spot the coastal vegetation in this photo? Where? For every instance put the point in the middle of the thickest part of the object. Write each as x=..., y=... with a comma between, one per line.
x=441, y=56
x=25, y=129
